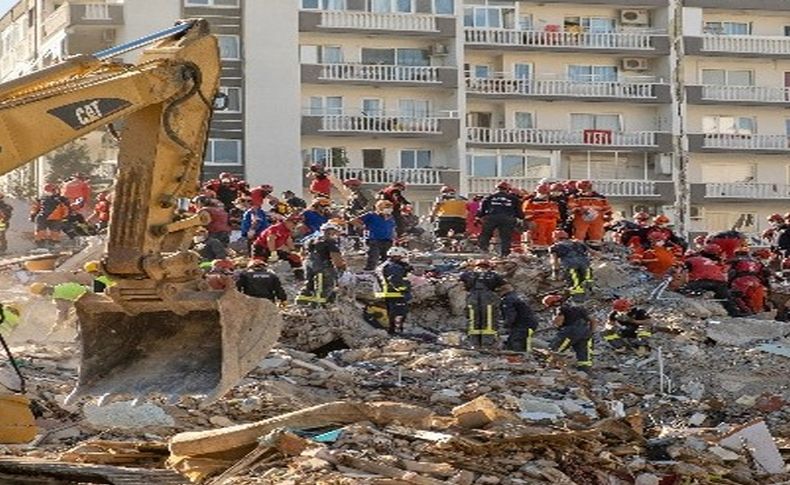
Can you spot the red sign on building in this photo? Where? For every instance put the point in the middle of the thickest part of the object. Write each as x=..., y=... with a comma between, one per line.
x=598, y=137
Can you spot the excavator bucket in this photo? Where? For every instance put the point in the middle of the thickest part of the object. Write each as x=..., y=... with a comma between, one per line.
x=202, y=348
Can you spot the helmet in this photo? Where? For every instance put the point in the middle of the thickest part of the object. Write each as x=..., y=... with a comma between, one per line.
x=661, y=219
x=543, y=189
x=786, y=263
x=352, y=183
x=322, y=202
x=38, y=288
x=397, y=252
x=584, y=185
x=383, y=204
x=571, y=185
x=503, y=186
x=13, y=307
x=50, y=187
x=447, y=190
x=641, y=216
x=622, y=305
x=552, y=300
x=225, y=175
x=330, y=226
x=657, y=236
x=776, y=218
x=560, y=235
x=399, y=185
x=557, y=187
x=92, y=267
x=713, y=249
x=223, y=265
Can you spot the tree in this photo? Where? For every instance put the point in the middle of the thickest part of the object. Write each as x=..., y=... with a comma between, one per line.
x=68, y=160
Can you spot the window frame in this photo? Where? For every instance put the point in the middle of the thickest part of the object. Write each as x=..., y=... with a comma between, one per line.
x=727, y=76
x=722, y=23
x=211, y=4
x=210, y=149
x=736, y=125
x=415, y=152
x=594, y=77
x=531, y=119
x=224, y=90
x=436, y=12
x=238, y=46
x=393, y=7
x=620, y=124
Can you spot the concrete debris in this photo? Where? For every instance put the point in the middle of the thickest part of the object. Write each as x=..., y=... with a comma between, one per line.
x=757, y=440
x=126, y=414
x=745, y=331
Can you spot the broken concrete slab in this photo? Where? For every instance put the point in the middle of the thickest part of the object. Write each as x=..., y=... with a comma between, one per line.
x=757, y=439
x=126, y=414
x=539, y=409
x=744, y=331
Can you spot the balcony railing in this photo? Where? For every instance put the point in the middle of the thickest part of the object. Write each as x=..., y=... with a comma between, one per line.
x=520, y=136
x=745, y=142
x=540, y=38
x=382, y=73
x=746, y=93
x=749, y=44
x=383, y=176
x=378, y=21
x=745, y=190
x=380, y=124
x=611, y=188
x=561, y=87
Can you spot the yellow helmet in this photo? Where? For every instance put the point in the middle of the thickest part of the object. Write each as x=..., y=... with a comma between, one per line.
x=92, y=267
x=12, y=307
x=38, y=288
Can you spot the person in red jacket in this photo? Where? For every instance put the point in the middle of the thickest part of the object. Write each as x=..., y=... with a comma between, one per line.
x=705, y=272
x=729, y=242
x=261, y=194
x=321, y=184
x=749, y=282
x=101, y=212
x=473, y=225
x=394, y=194
x=544, y=214
x=277, y=239
x=657, y=259
x=78, y=191
x=590, y=212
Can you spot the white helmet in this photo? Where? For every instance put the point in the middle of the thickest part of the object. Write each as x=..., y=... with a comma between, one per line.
x=330, y=226
x=398, y=252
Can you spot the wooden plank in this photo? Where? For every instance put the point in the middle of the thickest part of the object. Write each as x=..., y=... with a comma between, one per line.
x=111, y=475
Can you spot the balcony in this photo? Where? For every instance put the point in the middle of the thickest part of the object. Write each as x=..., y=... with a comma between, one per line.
x=775, y=5
x=738, y=95
x=640, y=43
x=395, y=126
x=410, y=176
x=745, y=190
x=553, y=89
x=724, y=142
x=370, y=74
x=80, y=13
x=581, y=140
x=738, y=46
x=376, y=23
x=610, y=188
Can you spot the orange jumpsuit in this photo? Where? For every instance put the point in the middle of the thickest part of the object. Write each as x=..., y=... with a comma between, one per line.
x=590, y=212
x=658, y=260
x=544, y=214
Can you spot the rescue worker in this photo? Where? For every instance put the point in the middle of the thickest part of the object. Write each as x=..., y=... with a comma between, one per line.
x=658, y=259
x=394, y=289
x=253, y=223
x=101, y=212
x=783, y=238
x=544, y=214
x=78, y=192
x=63, y=295
x=317, y=215
x=661, y=223
x=590, y=212
x=322, y=264
x=642, y=219
x=9, y=318
x=221, y=275
x=729, y=242
x=219, y=226
x=380, y=226
x=321, y=184
x=6, y=211
x=100, y=280
x=499, y=212
x=294, y=202
x=575, y=330
x=518, y=318
x=574, y=258
x=482, y=302
x=704, y=273
x=628, y=327
x=777, y=226
x=473, y=226
x=749, y=282
x=227, y=190
x=358, y=201
x=258, y=281
x=394, y=194
x=449, y=213
x=49, y=213
x=276, y=241
x=261, y=194
x=559, y=196
x=207, y=247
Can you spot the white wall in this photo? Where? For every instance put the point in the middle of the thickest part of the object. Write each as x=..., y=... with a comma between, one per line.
x=139, y=20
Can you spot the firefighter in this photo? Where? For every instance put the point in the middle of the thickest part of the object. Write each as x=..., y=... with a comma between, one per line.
x=704, y=272
x=221, y=275
x=101, y=212
x=380, y=226
x=227, y=190
x=258, y=281
x=574, y=258
x=78, y=192
x=628, y=327
x=544, y=214
x=749, y=282
x=729, y=242
x=558, y=196
x=661, y=223
x=499, y=212
x=575, y=330
x=321, y=184
x=590, y=212
x=261, y=194
x=777, y=226
x=642, y=219
x=518, y=318
x=6, y=211
x=253, y=222
x=394, y=194
x=449, y=213
x=276, y=241
x=321, y=267
x=49, y=213
x=317, y=215
x=394, y=289
x=658, y=259
x=295, y=203
x=482, y=302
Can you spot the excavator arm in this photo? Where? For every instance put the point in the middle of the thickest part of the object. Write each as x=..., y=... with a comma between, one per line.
x=158, y=329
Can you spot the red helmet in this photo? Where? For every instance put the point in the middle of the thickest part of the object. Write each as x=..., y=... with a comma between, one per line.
x=223, y=265
x=557, y=187
x=786, y=263
x=447, y=189
x=543, y=189
x=399, y=185
x=641, y=216
x=225, y=175
x=584, y=185
x=622, y=305
x=657, y=236
x=503, y=186
x=571, y=185
x=560, y=235
x=352, y=183
x=776, y=218
x=713, y=249
x=661, y=219
x=552, y=300
x=50, y=187
x=763, y=253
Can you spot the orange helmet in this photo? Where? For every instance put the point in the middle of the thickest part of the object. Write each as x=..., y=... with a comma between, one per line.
x=552, y=300
x=622, y=305
x=661, y=219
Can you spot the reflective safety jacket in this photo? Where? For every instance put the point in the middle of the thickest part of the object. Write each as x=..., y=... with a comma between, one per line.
x=451, y=208
x=51, y=208
x=590, y=206
x=481, y=280
x=391, y=280
x=539, y=209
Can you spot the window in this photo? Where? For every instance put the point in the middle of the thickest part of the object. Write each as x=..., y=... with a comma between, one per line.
x=388, y=6
x=329, y=105
x=372, y=107
x=229, y=47
x=401, y=57
x=482, y=72
x=586, y=121
x=233, y=96
x=328, y=157
x=443, y=7
x=727, y=28
x=592, y=74
x=320, y=54
x=787, y=30
x=220, y=151
x=525, y=22
x=415, y=158
x=524, y=120
x=729, y=125
x=378, y=56
x=483, y=165
x=324, y=4
x=596, y=25
x=722, y=77
x=509, y=165
x=489, y=17
x=414, y=108
x=331, y=54
x=725, y=221
x=728, y=173
x=211, y=3
x=512, y=166
x=522, y=71
x=787, y=127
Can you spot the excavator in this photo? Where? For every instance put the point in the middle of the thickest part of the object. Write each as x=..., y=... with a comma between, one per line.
x=159, y=330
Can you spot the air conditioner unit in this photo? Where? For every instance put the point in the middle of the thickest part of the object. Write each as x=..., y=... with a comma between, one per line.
x=635, y=64
x=439, y=50
x=664, y=164
x=634, y=17
x=108, y=35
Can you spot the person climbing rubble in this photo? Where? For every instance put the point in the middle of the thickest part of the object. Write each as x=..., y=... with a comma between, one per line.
x=63, y=295
x=591, y=211
x=49, y=212
x=381, y=227
x=544, y=214
x=482, y=302
x=628, y=327
x=393, y=287
x=517, y=318
x=449, y=214
x=322, y=265
x=499, y=212
x=704, y=272
x=358, y=200
x=575, y=330
x=657, y=260
x=276, y=241
x=573, y=257
x=6, y=211
x=258, y=281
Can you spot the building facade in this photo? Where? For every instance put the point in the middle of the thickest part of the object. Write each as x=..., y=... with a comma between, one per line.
x=470, y=92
